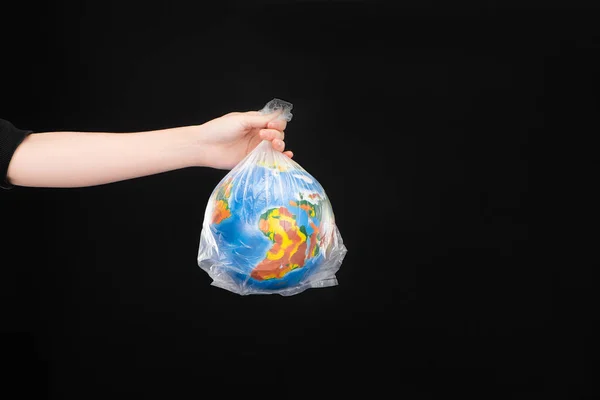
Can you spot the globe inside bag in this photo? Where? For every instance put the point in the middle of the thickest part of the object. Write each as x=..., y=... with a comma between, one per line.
x=269, y=226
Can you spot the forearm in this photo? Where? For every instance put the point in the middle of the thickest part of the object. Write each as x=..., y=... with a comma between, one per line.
x=75, y=159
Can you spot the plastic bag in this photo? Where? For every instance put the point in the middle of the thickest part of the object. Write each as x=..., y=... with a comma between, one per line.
x=269, y=226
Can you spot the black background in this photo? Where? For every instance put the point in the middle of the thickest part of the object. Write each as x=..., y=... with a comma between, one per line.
x=416, y=120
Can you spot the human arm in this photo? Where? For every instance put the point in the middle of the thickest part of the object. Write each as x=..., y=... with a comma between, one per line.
x=76, y=159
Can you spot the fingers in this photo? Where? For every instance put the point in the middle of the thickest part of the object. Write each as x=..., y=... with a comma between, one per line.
x=257, y=121
x=278, y=144
x=270, y=134
x=278, y=124
x=276, y=138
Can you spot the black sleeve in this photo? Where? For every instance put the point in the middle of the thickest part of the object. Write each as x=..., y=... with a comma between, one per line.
x=10, y=139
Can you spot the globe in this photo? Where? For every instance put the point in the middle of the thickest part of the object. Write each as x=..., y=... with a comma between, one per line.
x=269, y=228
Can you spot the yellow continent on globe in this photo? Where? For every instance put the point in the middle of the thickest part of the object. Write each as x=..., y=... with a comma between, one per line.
x=289, y=244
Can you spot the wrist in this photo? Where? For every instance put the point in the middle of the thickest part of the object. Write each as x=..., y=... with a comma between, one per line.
x=201, y=150
x=187, y=146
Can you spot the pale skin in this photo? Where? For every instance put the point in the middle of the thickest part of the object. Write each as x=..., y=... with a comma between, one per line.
x=79, y=159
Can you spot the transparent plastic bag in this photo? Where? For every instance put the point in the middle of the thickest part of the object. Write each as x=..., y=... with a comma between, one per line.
x=269, y=226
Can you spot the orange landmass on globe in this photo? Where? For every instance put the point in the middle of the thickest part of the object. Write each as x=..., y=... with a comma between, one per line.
x=221, y=210
x=314, y=250
x=310, y=210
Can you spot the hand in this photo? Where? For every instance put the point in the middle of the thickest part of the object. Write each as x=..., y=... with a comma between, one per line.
x=226, y=140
